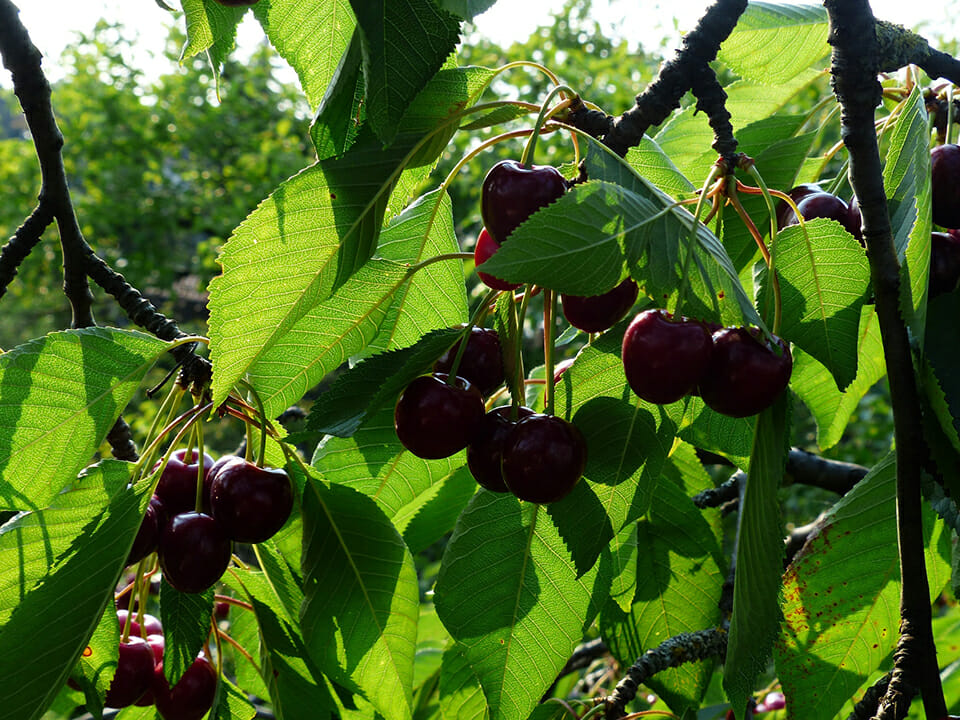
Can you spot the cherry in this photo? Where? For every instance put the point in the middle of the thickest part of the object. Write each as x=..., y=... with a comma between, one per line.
x=192, y=697
x=208, y=479
x=944, y=262
x=855, y=220
x=745, y=374
x=512, y=192
x=484, y=452
x=543, y=458
x=481, y=363
x=561, y=368
x=945, y=185
x=133, y=674
x=664, y=358
x=597, y=313
x=156, y=643
x=148, y=535
x=484, y=249
x=177, y=487
x=194, y=552
x=151, y=624
x=783, y=208
x=250, y=503
x=434, y=419
x=823, y=205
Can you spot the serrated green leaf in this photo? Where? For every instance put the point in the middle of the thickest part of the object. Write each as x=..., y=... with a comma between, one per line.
x=824, y=276
x=211, y=27
x=245, y=630
x=374, y=383
x=230, y=703
x=655, y=165
x=432, y=641
x=460, y=693
x=435, y=297
x=756, y=611
x=773, y=43
x=518, y=619
x=906, y=183
x=98, y=661
x=679, y=581
x=186, y=626
x=59, y=397
x=316, y=230
x=405, y=42
x=435, y=511
x=816, y=386
x=623, y=567
x=34, y=662
x=709, y=430
x=311, y=36
x=359, y=614
x=940, y=383
x=326, y=337
x=341, y=111
x=841, y=598
x=467, y=9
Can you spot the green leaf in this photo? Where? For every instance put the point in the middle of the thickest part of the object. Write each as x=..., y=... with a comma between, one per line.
x=35, y=662
x=98, y=661
x=906, y=183
x=941, y=383
x=679, y=581
x=841, y=598
x=623, y=567
x=432, y=641
x=709, y=430
x=230, y=703
x=435, y=511
x=211, y=27
x=359, y=614
x=59, y=396
x=773, y=43
x=653, y=164
x=376, y=382
x=460, y=693
x=435, y=297
x=326, y=337
x=824, y=276
x=316, y=230
x=341, y=111
x=518, y=619
x=815, y=385
x=756, y=612
x=467, y=9
x=311, y=36
x=186, y=625
x=405, y=42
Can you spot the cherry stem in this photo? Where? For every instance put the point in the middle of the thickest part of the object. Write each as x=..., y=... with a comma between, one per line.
x=216, y=639
x=263, y=421
x=772, y=264
x=190, y=417
x=236, y=646
x=233, y=601
x=516, y=326
x=479, y=314
x=435, y=259
x=715, y=171
x=545, y=111
x=549, y=318
x=166, y=409
x=529, y=63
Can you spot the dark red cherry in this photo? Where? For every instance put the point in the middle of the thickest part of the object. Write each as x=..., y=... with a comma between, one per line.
x=945, y=185
x=434, y=419
x=944, y=262
x=133, y=675
x=177, y=487
x=664, y=358
x=512, y=192
x=783, y=208
x=855, y=220
x=543, y=458
x=148, y=535
x=250, y=503
x=484, y=452
x=822, y=205
x=156, y=643
x=597, y=313
x=484, y=249
x=151, y=624
x=481, y=363
x=192, y=697
x=194, y=552
x=746, y=373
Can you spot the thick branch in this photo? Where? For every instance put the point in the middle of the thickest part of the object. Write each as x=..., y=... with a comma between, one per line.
x=898, y=47
x=712, y=99
x=19, y=246
x=867, y=707
x=854, y=69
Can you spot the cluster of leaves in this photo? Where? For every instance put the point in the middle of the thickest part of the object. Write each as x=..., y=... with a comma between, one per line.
x=328, y=270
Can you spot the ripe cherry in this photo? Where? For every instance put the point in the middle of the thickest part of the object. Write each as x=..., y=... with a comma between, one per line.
x=597, y=313
x=746, y=373
x=250, y=503
x=512, y=192
x=944, y=262
x=177, y=487
x=485, y=451
x=434, y=419
x=945, y=185
x=823, y=205
x=133, y=674
x=784, y=210
x=855, y=220
x=664, y=358
x=481, y=363
x=148, y=535
x=484, y=249
x=194, y=552
x=151, y=624
x=192, y=697
x=543, y=458
x=156, y=643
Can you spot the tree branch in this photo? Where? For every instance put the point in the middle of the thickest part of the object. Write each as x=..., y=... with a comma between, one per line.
x=854, y=67
x=18, y=247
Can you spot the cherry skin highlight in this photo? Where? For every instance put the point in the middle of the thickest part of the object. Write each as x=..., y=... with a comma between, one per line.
x=434, y=419
x=597, y=313
x=543, y=458
x=194, y=552
x=250, y=503
x=664, y=358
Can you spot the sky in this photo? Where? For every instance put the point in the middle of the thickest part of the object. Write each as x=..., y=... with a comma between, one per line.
x=646, y=21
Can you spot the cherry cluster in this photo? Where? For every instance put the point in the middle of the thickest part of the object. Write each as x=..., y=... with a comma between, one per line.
x=537, y=457
x=736, y=370
x=139, y=678
x=240, y=501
